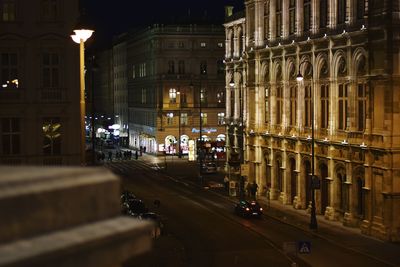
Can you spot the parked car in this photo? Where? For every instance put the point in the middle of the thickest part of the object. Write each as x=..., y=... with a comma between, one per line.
x=209, y=167
x=248, y=208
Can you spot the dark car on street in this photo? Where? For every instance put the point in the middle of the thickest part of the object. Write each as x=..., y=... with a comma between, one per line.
x=131, y=205
x=248, y=208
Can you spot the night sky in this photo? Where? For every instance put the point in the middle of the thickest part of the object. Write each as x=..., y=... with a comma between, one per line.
x=113, y=17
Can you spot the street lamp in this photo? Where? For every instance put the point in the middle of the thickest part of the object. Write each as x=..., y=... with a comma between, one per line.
x=199, y=149
x=313, y=220
x=80, y=36
x=179, y=125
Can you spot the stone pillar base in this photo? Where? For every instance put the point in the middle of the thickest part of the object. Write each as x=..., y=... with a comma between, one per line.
x=330, y=214
x=350, y=220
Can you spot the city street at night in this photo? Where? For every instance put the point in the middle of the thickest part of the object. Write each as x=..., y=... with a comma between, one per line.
x=201, y=228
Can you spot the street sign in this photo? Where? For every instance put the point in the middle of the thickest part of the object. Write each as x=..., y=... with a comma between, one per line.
x=304, y=247
x=244, y=170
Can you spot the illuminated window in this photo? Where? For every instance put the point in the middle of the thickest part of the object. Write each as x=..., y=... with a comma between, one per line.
x=324, y=106
x=293, y=106
x=49, y=10
x=204, y=120
x=172, y=95
x=221, y=97
x=307, y=15
x=9, y=70
x=8, y=10
x=343, y=106
x=220, y=45
x=184, y=118
x=133, y=72
x=10, y=136
x=51, y=73
x=203, y=96
x=203, y=44
x=221, y=118
x=51, y=136
x=292, y=16
x=170, y=118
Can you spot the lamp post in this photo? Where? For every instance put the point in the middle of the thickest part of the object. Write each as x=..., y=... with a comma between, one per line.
x=80, y=36
x=179, y=125
x=313, y=220
x=199, y=146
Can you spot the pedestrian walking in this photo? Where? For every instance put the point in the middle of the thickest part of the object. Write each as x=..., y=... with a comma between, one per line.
x=226, y=182
x=136, y=155
x=109, y=155
x=254, y=188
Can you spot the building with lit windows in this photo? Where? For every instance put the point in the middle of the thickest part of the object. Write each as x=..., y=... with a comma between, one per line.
x=39, y=93
x=176, y=73
x=347, y=53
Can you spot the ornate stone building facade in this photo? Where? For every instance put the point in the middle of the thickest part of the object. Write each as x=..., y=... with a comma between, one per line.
x=347, y=52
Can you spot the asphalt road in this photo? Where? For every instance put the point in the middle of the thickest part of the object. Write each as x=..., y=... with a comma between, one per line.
x=202, y=230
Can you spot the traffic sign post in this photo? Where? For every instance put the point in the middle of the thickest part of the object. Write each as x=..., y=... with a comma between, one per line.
x=304, y=247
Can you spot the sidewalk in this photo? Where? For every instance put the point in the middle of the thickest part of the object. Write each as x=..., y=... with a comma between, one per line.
x=331, y=231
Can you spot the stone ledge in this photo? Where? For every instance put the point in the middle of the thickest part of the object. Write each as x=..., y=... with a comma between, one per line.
x=103, y=243
x=37, y=200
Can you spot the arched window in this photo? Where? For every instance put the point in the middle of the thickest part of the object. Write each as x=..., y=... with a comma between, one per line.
x=341, y=11
x=307, y=15
x=360, y=197
x=267, y=106
x=361, y=105
x=307, y=106
x=279, y=104
x=360, y=9
x=293, y=106
x=266, y=20
x=343, y=106
x=323, y=13
x=279, y=181
x=278, y=17
x=324, y=106
x=292, y=16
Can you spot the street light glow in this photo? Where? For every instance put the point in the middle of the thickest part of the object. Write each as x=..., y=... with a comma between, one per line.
x=81, y=34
